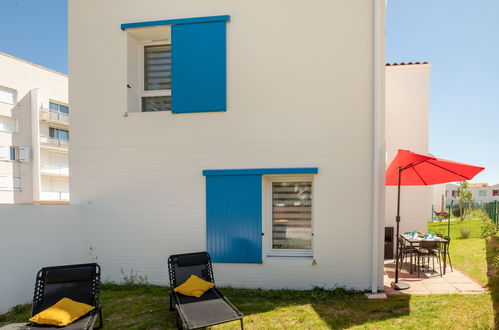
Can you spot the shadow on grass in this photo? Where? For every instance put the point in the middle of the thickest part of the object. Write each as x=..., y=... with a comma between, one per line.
x=147, y=307
x=493, y=275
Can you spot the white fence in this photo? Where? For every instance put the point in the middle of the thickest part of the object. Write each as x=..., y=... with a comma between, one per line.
x=31, y=237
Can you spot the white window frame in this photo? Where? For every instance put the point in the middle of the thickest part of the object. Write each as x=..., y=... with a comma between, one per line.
x=14, y=92
x=16, y=128
x=143, y=91
x=267, y=195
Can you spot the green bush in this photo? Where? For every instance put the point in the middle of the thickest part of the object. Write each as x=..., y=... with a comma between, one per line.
x=489, y=229
x=456, y=210
x=465, y=232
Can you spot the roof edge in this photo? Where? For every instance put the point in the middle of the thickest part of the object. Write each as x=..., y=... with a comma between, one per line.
x=33, y=64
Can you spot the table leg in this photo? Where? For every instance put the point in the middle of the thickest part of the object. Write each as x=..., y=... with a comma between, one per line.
x=411, y=266
x=445, y=258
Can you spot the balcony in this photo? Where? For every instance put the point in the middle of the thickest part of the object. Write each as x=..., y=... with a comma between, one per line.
x=54, y=196
x=49, y=142
x=56, y=170
x=54, y=117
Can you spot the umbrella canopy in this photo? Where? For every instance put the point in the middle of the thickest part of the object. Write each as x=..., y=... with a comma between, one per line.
x=422, y=170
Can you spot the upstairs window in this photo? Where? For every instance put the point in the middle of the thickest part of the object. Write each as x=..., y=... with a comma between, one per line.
x=156, y=87
x=495, y=192
x=59, y=134
x=482, y=193
x=59, y=108
x=182, y=65
x=8, y=95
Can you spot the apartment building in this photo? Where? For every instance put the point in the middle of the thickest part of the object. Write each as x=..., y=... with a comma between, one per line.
x=34, y=133
x=481, y=193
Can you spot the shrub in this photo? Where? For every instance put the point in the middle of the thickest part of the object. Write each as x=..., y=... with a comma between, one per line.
x=489, y=229
x=456, y=211
x=465, y=232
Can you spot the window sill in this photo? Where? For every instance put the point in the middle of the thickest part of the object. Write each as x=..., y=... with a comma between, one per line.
x=290, y=254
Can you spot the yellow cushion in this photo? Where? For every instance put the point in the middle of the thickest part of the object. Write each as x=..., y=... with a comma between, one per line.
x=64, y=312
x=194, y=287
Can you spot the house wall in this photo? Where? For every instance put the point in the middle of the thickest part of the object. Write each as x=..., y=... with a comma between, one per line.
x=35, y=86
x=300, y=94
x=475, y=193
x=36, y=236
x=407, y=100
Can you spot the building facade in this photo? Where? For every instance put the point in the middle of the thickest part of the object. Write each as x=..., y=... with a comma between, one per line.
x=34, y=133
x=243, y=128
x=481, y=193
x=407, y=120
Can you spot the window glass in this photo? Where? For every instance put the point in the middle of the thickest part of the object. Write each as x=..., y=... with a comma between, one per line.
x=8, y=125
x=292, y=215
x=58, y=108
x=157, y=67
x=58, y=134
x=7, y=95
x=495, y=192
x=156, y=103
x=13, y=153
x=482, y=193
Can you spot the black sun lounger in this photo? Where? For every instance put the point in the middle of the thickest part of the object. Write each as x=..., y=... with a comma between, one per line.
x=209, y=309
x=77, y=282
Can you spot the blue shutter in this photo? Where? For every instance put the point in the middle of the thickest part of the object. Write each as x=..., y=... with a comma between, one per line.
x=199, y=67
x=234, y=218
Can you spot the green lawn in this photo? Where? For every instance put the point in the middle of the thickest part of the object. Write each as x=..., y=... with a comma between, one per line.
x=147, y=308
x=468, y=255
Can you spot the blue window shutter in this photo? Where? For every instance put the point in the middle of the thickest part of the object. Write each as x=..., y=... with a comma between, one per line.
x=199, y=67
x=234, y=218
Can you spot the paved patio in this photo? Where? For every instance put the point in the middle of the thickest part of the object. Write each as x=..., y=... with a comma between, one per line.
x=430, y=282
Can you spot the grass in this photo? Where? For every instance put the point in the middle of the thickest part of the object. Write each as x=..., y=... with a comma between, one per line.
x=146, y=307
x=467, y=254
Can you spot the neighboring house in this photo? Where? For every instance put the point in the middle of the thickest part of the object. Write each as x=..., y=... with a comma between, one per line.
x=34, y=133
x=407, y=103
x=481, y=193
x=253, y=130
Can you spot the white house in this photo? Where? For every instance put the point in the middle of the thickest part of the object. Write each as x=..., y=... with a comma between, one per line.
x=34, y=132
x=481, y=193
x=243, y=128
x=247, y=129
x=407, y=120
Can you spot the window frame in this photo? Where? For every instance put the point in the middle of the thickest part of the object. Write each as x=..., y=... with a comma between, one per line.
x=16, y=124
x=267, y=202
x=14, y=92
x=59, y=104
x=143, y=91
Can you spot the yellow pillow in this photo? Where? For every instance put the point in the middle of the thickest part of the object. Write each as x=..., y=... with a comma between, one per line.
x=64, y=312
x=194, y=287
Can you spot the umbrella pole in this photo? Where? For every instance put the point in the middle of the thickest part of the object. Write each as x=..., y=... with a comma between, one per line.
x=398, y=285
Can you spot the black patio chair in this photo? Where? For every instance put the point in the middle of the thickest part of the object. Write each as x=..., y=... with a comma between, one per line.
x=209, y=309
x=80, y=283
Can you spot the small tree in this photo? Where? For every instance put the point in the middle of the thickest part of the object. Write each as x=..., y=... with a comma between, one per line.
x=462, y=193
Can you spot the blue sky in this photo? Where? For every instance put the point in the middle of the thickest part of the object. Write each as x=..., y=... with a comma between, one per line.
x=458, y=37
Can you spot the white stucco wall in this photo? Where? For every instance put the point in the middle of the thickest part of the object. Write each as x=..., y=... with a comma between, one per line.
x=407, y=101
x=32, y=237
x=35, y=86
x=300, y=93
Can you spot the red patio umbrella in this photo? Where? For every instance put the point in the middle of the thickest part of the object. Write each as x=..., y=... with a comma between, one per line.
x=411, y=169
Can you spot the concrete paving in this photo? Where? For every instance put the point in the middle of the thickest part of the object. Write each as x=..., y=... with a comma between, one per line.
x=430, y=282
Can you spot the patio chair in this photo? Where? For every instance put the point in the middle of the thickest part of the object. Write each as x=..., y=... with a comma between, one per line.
x=209, y=309
x=405, y=251
x=427, y=250
x=77, y=282
x=440, y=250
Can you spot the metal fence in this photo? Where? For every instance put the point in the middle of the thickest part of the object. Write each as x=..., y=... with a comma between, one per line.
x=492, y=210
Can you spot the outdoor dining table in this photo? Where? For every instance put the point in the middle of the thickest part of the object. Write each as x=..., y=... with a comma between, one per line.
x=415, y=241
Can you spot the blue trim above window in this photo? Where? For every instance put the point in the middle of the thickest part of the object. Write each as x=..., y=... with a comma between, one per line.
x=177, y=21
x=263, y=171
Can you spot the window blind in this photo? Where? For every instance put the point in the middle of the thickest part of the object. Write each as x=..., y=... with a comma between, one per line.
x=157, y=67
x=292, y=215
